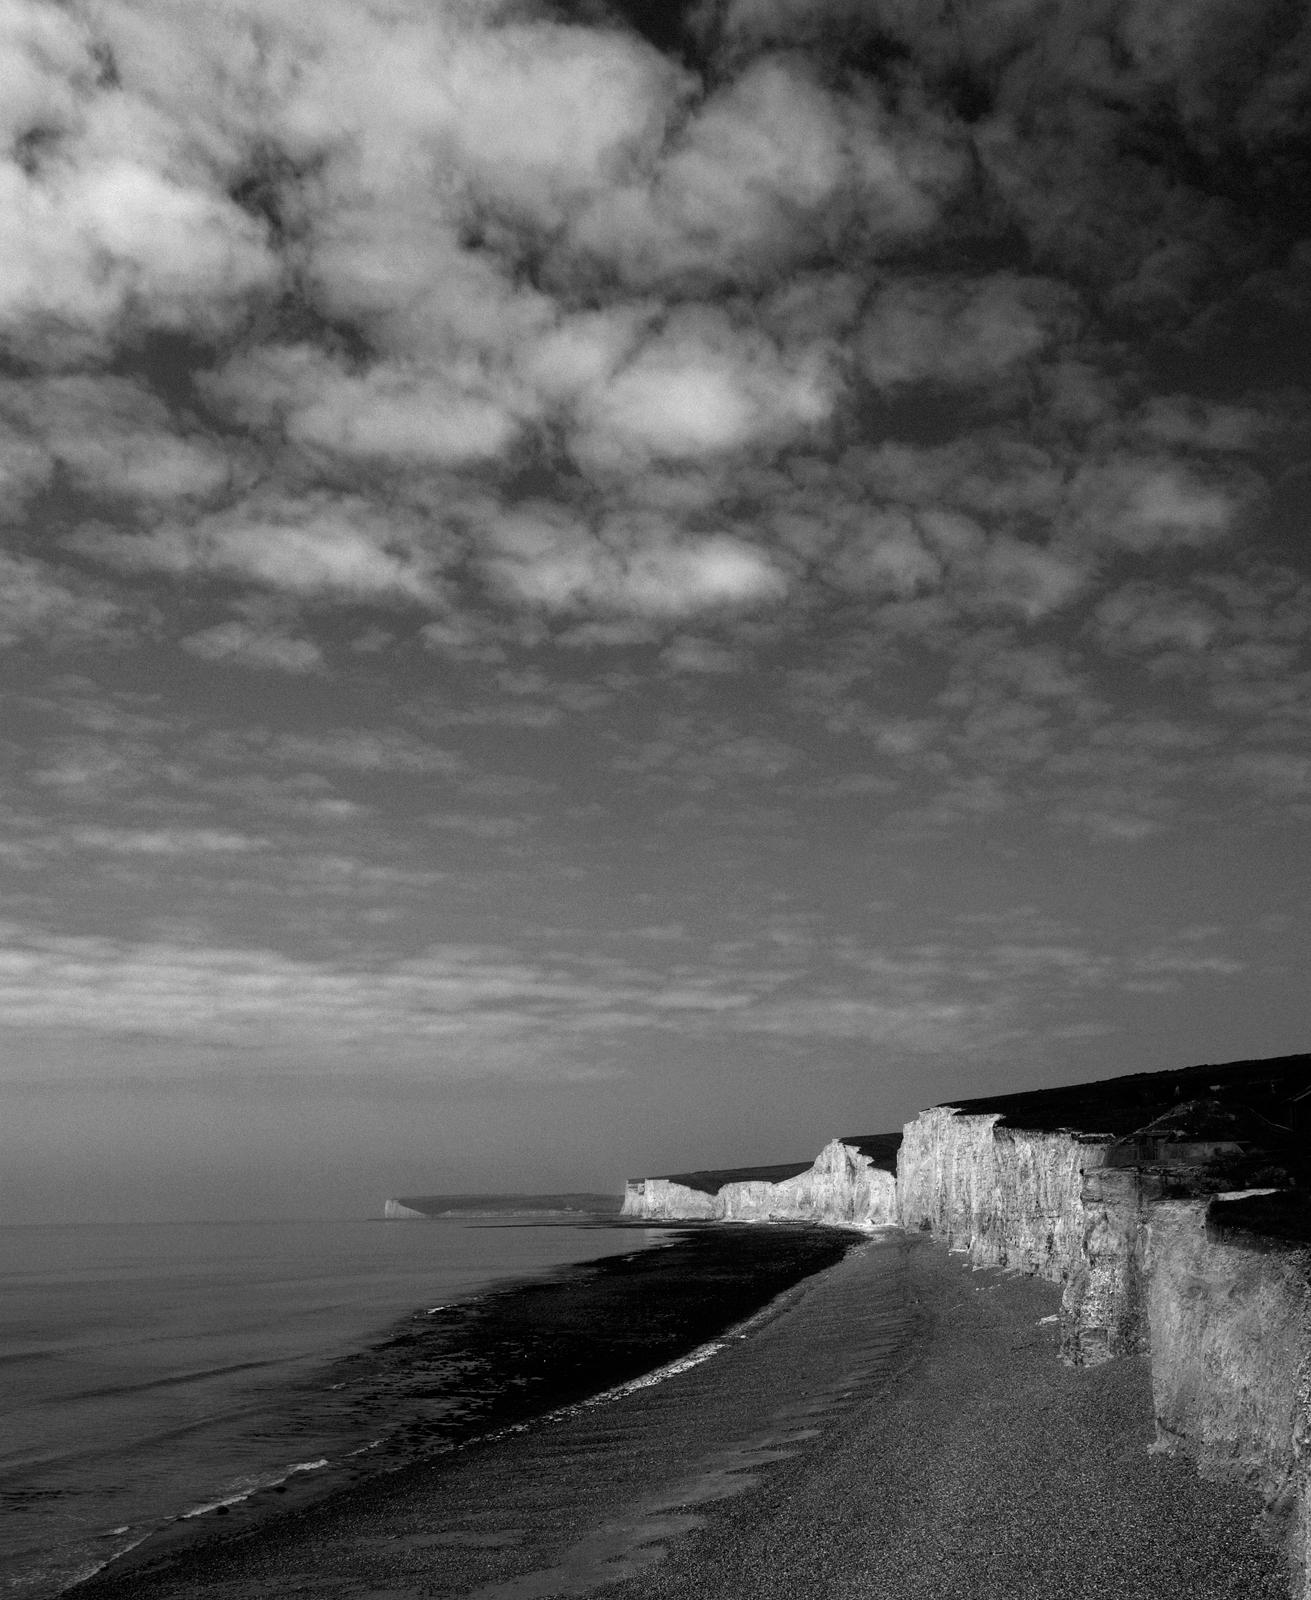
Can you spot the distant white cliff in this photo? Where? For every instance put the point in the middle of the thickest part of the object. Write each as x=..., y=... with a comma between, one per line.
x=844, y=1186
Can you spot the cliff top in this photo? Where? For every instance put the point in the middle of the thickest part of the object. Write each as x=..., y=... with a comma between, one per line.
x=1285, y=1214
x=1273, y=1089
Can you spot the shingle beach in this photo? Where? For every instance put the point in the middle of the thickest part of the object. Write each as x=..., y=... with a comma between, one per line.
x=897, y=1425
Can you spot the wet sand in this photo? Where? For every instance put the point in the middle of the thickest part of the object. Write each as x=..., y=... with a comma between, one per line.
x=896, y=1426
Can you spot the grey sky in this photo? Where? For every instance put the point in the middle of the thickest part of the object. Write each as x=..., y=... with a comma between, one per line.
x=578, y=602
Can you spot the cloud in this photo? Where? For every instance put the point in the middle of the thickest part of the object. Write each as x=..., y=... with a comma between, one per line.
x=174, y=841
x=324, y=544
x=356, y=750
x=248, y=645
x=399, y=411
x=1143, y=503
x=545, y=558
x=955, y=331
x=107, y=225
x=241, y=995
x=1276, y=774
x=36, y=601
x=688, y=653
x=1147, y=617
x=771, y=170
x=702, y=753
x=114, y=437
x=703, y=385
x=568, y=354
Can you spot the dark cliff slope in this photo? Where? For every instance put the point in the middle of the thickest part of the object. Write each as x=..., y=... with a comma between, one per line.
x=1274, y=1093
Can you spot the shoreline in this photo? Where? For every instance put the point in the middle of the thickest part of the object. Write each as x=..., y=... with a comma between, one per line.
x=484, y=1368
x=895, y=1425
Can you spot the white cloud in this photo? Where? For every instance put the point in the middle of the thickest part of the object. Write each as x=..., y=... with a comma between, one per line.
x=323, y=544
x=261, y=996
x=770, y=170
x=104, y=222
x=703, y=386
x=174, y=841
x=546, y=559
x=250, y=645
x=38, y=602
x=393, y=410
x=1144, y=503
x=115, y=437
x=885, y=554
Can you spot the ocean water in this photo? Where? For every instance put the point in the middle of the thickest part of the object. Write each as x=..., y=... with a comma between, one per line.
x=151, y=1371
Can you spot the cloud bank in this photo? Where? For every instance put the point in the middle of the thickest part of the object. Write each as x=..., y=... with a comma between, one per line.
x=716, y=269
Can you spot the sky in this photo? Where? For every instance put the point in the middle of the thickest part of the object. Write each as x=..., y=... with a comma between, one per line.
x=590, y=590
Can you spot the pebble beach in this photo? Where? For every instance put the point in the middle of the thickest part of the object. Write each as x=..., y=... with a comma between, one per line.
x=896, y=1424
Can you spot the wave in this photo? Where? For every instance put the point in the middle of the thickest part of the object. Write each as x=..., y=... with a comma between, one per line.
x=166, y=1381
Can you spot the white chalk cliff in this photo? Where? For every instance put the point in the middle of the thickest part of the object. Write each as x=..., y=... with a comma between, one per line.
x=843, y=1186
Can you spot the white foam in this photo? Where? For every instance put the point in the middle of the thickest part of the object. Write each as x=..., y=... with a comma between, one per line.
x=239, y=1495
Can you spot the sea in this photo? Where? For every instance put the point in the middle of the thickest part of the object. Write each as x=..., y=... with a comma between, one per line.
x=152, y=1372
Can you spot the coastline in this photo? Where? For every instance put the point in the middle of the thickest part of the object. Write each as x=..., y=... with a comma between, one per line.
x=895, y=1425
x=489, y=1366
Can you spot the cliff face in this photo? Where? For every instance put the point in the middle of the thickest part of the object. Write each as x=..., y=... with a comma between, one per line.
x=1229, y=1320
x=843, y=1186
x=1007, y=1196
x=666, y=1200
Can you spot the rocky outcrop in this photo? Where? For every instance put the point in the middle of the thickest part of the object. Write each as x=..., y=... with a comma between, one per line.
x=1102, y=1309
x=845, y=1186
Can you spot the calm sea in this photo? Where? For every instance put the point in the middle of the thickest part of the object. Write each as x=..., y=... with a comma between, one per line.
x=151, y=1370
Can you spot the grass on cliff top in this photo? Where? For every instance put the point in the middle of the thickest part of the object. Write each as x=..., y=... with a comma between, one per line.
x=1120, y=1106
x=1284, y=1215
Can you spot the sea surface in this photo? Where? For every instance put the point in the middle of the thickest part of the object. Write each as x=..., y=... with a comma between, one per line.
x=148, y=1372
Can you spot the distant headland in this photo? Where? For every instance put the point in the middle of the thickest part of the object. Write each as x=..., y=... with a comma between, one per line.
x=417, y=1207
